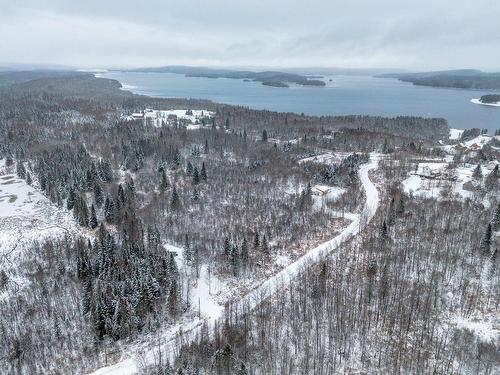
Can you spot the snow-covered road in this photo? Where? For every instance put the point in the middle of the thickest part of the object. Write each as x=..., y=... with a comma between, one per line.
x=316, y=255
x=266, y=289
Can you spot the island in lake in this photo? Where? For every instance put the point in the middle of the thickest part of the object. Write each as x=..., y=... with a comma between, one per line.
x=491, y=100
x=268, y=78
x=462, y=79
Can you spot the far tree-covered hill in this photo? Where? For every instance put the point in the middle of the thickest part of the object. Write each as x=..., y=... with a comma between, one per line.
x=464, y=79
x=9, y=77
x=268, y=78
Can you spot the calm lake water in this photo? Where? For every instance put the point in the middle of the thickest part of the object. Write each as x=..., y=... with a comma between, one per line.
x=343, y=95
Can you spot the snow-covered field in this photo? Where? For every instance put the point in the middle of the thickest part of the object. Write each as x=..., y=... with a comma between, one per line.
x=478, y=101
x=190, y=329
x=26, y=216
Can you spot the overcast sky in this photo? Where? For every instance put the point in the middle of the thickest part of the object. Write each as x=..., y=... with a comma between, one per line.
x=411, y=34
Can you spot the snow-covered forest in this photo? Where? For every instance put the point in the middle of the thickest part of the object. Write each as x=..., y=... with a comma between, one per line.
x=216, y=239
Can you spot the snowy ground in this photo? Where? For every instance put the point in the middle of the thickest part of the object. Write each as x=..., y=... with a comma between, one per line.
x=480, y=141
x=432, y=177
x=322, y=195
x=473, y=144
x=486, y=329
x=478, y=101
x=420, y=184
x=329, y=157
x=204, y=290
x=455, y=134
x=191, y=329
x=26, y=215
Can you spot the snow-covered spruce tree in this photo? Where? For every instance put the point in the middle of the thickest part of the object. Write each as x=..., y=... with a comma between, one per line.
x=264, y=135
x=109, y=210
x=188, y=254
x=93, y=218
x=226, y=249
x=70, y=201
x=203, y=173
x=485, y=245
x=244, y=254
x=98, y=195
x=496, y=219
x=491, y=182
x=163, y=181
x=189, y=168
x=478, y=173
x=175, y=201
x=234, y=259
x=196, y=176
x=21, y=170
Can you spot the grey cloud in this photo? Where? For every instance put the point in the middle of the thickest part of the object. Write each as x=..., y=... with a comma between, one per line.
x=386, y=33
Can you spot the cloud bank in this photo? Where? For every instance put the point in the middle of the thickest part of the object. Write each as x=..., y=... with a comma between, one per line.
x=417, y=35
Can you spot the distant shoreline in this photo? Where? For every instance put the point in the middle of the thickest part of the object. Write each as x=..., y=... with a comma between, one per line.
x=478, y=101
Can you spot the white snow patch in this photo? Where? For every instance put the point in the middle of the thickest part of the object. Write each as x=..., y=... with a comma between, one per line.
x=480, y=141
x=322, y=194
x=430, y=178
x=478, y=101
x=26, y=216
x=282, y=260
x=482, y=329
x=455, y=134
x=329, y=157
x=204, y=289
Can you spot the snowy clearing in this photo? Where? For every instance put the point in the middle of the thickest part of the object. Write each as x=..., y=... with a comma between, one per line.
x=323, y=194
x=455, y=134
x=26, y=216
x=430, y=179
x=262, y=292
x=202, y=293
x=329, y=157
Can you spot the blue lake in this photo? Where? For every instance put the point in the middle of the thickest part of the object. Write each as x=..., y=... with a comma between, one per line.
x=343, y=95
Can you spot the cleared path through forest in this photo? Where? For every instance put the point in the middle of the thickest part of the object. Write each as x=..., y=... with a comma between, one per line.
x=187, y=332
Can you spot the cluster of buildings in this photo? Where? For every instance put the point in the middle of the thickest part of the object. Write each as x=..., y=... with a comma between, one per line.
x=171, y=117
